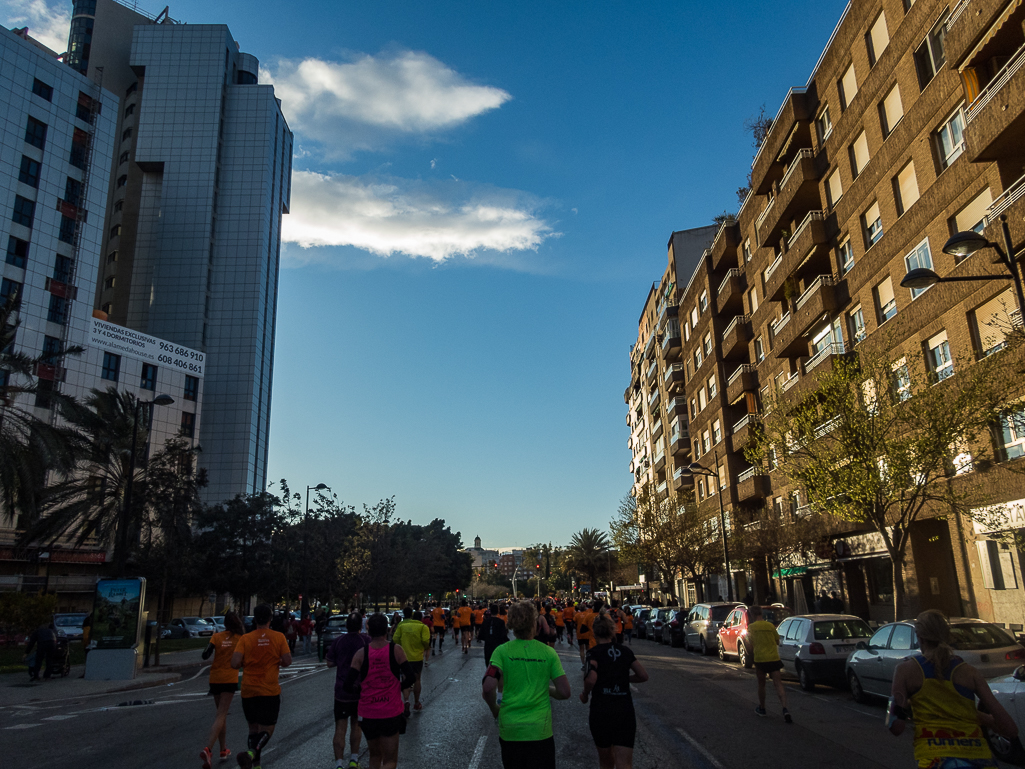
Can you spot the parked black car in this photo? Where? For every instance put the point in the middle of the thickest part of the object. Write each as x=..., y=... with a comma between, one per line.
x=641, y=622
x=672, y=631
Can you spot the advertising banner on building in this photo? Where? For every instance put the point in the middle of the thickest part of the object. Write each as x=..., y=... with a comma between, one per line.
x=134, y=344
x=116, y=612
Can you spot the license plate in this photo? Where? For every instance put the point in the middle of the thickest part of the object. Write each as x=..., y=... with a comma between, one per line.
x=843, y=647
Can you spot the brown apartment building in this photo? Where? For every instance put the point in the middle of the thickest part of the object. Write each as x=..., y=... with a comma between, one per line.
x=911, y=128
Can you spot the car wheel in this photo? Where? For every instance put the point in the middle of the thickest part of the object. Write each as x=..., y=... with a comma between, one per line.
x=857, y=691
x=722, y=651
x=186, y=634
x=1004, y=749
x=704, y=647
x=745, y=658
x=804, y=676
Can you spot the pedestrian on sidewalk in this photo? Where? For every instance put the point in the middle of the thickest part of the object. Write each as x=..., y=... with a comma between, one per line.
x=340, y=656
x=306, y=634
x=44, y=641
x=415, y=639
x=530, y=674
x=611, y=668
x=765, y=650
x=261, y=654
x=223, y=684
x=381, y=672
x=291, y=631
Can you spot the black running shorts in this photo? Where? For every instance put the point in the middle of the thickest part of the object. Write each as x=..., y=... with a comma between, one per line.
x=345, y=710
x=418, y=666
x=223, y=688
x=261, y=710
x=768, y=667
x=612, y=727
x=536, y=754
x=375, y=728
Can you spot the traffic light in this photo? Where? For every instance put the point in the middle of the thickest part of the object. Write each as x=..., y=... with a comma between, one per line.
x=538, y=567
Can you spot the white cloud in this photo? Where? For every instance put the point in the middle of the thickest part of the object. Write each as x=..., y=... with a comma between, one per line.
x=386, y=216
x=346, y=106
x=47, y=24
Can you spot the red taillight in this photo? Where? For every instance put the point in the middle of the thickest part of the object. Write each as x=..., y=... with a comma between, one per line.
x=816, y=648
x=1017, y=654
x=674, y=623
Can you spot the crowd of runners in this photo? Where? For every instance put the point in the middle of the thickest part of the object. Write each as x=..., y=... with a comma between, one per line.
x=380, y=661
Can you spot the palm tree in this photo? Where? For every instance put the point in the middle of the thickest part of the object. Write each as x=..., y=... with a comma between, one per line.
x=588, y=552
x=91, y=500
x=29, y=446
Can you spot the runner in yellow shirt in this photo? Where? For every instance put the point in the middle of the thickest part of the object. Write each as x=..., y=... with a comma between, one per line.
x=415, y=639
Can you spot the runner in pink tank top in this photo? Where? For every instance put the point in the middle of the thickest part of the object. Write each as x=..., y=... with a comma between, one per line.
x=380, y=695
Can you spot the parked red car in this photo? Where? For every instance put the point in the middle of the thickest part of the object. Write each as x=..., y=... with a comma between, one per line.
x=733, y=633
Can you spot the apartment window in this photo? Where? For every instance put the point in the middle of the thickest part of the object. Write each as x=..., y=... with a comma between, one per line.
x=1012, y=433
x=115, y=230
x=118, y=205
x=752, y=299
x=901, y=380
x=703, y=301
x=707, y=344
x=848, y=87
x=148, y=381
x=129, y=110
x=109, y=282
x=856, y=324
x=823, y=124
x=107, y=307
x=693, y=408
x=112, y=257
x=747, y=250
x=713, y=388
x=66, y=233
x=891, y=110
x=905, y=188
x=693, y=317
x=62, y=268
x=972, y=218
x=877, y=39
x=702, y=399
x=83, y=110
x=51, y=350
x=111, y=366
x=858, y=152
x=686, y=331
x=930, y=56
x=126, y=134
x=29, y=173
x=24, y=211
x=698, y=360
x=44, y=393
x=17, y=251
x=188, y=425
x=123, y=158
x=920, y=258
x=122, y=180
x=938, y=357
x=10, y=288
x=706, y=442
x=41, y=89
x=35, y=133
x=886, y=304
x=132, y=89
x=949, y=138
x=845, y=256
x=716, y=432
x=73, y=191
x=77, y=156
x=759, y=350
x=997, y=565
x=57, y=312
x=992, y=321
x=872, y=225
x=834, y=188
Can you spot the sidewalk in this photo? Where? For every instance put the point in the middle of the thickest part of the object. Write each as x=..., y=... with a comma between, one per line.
x=16, y=690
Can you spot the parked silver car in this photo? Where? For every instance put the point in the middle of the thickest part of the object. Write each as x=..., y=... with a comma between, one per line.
x=189, y=627
x=985, y=646
x=702, y=625
x=70, y=624
x=1009, y=691
x=815, y=647
x=217, y=622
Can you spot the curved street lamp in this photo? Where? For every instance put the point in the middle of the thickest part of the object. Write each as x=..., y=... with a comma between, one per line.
x=694, y=468
x=305, y=607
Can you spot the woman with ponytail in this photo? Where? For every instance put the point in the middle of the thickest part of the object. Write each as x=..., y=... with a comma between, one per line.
x=939, y=690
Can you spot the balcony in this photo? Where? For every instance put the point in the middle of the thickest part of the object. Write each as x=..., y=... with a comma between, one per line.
x=751, y=484
x=743, y=380
x=649, y=346
x=652, y=372
x=660, y=459
x=791, y=131
x=674, y=377
x=969, y=20
x=731, y=292
x=671, y=340
x=668, y=310
x=797, y=193
x=818, y=299
x=725, y=245
x=653, y=399
x=682, y=480
x=656, y=430
x=819, y=362
x=662, y=489
x=741, y=435
x=1011, y=203
x=735, y=338
x=677, y=407
x=995, y=120
x=803, y=254
x=776, y=325
x=679, y=443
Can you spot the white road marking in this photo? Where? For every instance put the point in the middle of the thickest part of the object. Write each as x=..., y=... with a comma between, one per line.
x=22, y=726
x=478, y=752
x=700, y=749
x=57, y=718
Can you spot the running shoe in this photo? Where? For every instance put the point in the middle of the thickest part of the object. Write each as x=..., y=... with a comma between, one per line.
x=786, y=716
x=418, y=706
x=206, y=757
x=353, y=764
x=760, y=711
x=225, y=754
x=245, y=759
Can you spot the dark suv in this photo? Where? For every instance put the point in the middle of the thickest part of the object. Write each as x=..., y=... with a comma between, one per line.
x=672, y=632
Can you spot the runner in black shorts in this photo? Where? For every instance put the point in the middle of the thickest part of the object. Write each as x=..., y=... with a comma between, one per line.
x=339, y=656
x=611, y=668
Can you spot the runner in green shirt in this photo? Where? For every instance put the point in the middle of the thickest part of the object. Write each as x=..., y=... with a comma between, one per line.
x=531, y=673
x=415, y=639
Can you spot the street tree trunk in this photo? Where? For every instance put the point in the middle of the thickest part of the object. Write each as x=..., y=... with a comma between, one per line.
x=899, y=597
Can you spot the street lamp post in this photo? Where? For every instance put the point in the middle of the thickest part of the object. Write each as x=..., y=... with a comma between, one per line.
x=305, y=607
x=697, y=469
x=965, y=244
x=160, y=400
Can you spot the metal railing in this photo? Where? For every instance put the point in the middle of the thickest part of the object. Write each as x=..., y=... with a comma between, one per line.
x=790, y=382
x=779, y=323
x=652, y=369
x=833, y=348
x=733, y=272
x=739, y=371
x=815, y=285
x=1005, y=200
x=743, y=422
x=801, y=155
x=826, y=427
x=747, y=475
x=772, y=267
x=733, y=324
x=675, y=368
x=956, y=12
x=764, y=213
x=805, y=222
x=653, y=398
x=994, y=85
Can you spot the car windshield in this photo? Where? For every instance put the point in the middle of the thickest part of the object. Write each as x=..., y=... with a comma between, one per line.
x=195, y=621
x=978, y=635
x=74, y=620
x=837, y=629
x=719, y=613
x=337, y=622
x=775, y=614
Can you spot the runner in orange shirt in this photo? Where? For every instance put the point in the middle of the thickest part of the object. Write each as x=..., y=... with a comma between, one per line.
x=466, y=625
x=223, y=683
x=453, y=614
x=583, y=621
x=438, y=615
x=560, y=623
x=628, y=626
x=261, y=654
x=478, y=621
x=567, y=614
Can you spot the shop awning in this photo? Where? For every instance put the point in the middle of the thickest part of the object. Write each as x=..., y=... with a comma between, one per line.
x=793, y=571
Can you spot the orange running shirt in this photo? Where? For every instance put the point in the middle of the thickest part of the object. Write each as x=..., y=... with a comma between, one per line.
x=261, y=656
x=465, y=616
x=629, y=622
x=560, y=621
x=221, y=671
x=617, y=617
x=454, y=614
x=583, y=620
x=568, y=613
x=478, y=616
x=439, y=617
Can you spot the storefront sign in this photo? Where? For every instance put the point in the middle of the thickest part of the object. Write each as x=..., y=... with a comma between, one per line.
x=863, y=545
x=116, y=612
x=629, y=587
x=125, y=341
x=1009, y=515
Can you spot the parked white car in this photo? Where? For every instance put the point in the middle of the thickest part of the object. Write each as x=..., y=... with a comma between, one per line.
x=814, y=647
x=1010, y=692
x=217, y=622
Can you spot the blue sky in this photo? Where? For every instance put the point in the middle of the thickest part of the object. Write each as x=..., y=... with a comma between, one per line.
x=482, y=195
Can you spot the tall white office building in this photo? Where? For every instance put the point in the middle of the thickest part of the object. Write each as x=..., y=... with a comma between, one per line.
x=199, y=179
